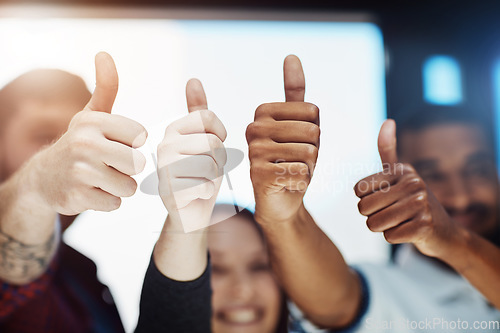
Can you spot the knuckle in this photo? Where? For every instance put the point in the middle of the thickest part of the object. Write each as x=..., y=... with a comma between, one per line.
x=262, y=110
x=314, y=132
x=139, y=162
x=407, y=168
x=357, y=188
x=255, y=130
x=115, y=203
x=426, y=219
x=312, y=110
x=390, y=237
x=82, y=143
x=78, y=169
x=256, y=149
x=88, y=118
x=209, y=165
x=164, y=148
x=414, y=183
x=131, y=188
x=372, y=224
x=250, y=132
x=208, y=117
x=312, y=153
x=78, y=117
x=361, y=207
x=420, y=200
x=214, y=142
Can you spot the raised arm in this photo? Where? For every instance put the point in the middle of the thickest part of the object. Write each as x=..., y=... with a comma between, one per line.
x=176, y=295
x=398, y=203
x=191, y=159
x=89, y=167
x=283, y=148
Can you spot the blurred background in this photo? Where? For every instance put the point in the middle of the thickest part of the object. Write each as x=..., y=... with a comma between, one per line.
x=363, y=61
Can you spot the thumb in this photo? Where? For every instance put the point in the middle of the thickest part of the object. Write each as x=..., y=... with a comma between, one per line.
x=295, y=83
x=387, y=143
x=106, y=86
x=195, y=96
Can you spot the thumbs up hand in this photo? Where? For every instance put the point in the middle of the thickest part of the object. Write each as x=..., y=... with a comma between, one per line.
x=91, y=165
x=191, y=159
x=283, y=144
x=398, y=203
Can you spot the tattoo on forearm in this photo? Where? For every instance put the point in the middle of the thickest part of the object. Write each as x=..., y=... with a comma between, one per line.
x=20, y=261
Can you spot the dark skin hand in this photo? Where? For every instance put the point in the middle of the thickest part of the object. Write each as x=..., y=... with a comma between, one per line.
x=399, y=204
x=283, y=145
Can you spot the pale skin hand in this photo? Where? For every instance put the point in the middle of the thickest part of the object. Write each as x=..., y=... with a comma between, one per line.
x=89, y=167
x=308, y=265
x=191, y=158
x=398, y=203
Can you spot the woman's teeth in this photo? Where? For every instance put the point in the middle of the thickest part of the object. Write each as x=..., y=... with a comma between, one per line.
x=241, y=316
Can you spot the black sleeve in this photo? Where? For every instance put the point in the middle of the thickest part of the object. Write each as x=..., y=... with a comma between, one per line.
x=174, y=306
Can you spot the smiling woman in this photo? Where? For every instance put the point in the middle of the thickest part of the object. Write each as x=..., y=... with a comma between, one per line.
x=246, y=296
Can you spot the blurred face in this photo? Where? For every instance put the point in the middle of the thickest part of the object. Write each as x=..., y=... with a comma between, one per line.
x=457, y=165
x=246, y=297
x=33, y=126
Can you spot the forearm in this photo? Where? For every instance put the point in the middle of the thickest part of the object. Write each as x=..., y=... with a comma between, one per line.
x=312, y=271
x=477, y=260
x=28, y=232
x=181, y=256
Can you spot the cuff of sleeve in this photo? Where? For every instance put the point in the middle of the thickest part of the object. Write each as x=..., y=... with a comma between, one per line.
x=162, y=282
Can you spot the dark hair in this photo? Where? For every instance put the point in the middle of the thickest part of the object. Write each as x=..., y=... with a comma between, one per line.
x=422, y=117
x=248, y=215
x=41, y=85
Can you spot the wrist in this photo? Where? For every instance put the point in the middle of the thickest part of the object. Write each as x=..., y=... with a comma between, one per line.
x=178, y=255
x=173, y=231
x=293, y=221
x=452, y=251
x=29, y=184
x=26, y=216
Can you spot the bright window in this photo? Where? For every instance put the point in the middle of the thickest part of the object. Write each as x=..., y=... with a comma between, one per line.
x=442, y=80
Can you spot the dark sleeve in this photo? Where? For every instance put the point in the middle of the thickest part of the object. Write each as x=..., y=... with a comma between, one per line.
x=174, y=306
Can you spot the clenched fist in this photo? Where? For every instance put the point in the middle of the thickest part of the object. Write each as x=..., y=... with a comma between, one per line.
x=91, y=165
x=398, y=203
x=283, y=144
x=191, y=160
